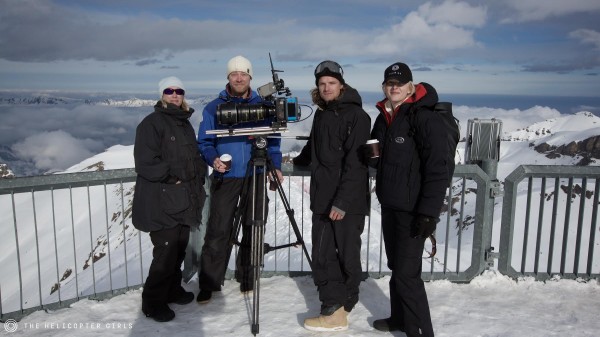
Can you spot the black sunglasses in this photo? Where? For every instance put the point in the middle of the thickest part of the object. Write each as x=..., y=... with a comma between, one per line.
x=332, y=66
x=170, y=91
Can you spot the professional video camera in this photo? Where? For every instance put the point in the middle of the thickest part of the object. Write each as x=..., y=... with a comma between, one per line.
x=281, y=109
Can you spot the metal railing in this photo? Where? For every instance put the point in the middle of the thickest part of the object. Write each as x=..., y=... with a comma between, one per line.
x=555, y=234
x=69, y=236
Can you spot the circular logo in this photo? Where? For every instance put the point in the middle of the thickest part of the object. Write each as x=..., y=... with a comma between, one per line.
x=11, y=325
x=395, y=67
x=399, y=140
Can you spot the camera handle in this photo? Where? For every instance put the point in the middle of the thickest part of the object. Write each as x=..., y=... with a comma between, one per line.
x=259, y=162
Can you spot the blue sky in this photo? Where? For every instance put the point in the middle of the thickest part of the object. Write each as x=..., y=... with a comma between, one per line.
x=529, y=47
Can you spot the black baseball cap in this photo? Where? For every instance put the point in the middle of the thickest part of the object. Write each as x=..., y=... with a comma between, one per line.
x=399, y=72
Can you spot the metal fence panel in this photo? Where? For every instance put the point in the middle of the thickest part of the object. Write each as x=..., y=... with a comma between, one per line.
x=555, y=234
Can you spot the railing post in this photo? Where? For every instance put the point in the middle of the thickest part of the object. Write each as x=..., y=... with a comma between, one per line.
x=490, y=167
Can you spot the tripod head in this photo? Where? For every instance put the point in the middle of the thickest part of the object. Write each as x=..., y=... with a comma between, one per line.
x=259, y=147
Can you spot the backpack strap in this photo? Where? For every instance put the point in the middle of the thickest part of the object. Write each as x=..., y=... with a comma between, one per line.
x=411, y=117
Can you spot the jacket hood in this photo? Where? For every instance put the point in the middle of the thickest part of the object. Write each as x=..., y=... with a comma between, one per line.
x=173, y=110
x=350, y=96
x=425, y=95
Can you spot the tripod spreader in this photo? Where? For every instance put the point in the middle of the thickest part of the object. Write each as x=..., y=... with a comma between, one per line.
x=268, y=248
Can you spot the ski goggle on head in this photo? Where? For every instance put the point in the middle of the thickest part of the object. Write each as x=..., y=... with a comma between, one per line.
x=332, y=66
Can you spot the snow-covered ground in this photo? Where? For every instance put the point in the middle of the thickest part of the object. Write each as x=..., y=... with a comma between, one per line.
x=491, y=305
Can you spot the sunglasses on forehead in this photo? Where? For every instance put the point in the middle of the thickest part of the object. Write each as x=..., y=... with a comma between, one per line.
x=170, y=91
x=332, y=66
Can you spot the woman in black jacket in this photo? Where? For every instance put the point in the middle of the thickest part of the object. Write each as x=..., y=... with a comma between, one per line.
x=169, y=195
x=412, y=178
x=338, y=195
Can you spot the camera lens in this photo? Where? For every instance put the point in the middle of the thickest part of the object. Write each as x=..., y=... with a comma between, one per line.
x=232, y=113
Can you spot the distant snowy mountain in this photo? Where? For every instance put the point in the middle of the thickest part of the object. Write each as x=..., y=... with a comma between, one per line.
x=565, y=124
x=136, y=102
x=14, y=164
x=574, y=138
x=37, y=100
x=103, y=101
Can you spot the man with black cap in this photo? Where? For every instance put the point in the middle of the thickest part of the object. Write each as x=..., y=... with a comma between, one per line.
x=412, y=178
x=338, y=195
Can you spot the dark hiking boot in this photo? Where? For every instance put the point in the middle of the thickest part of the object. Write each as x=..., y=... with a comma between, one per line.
x=204, y=296
x=386, y=324
x=159, y=312
x=183, y=298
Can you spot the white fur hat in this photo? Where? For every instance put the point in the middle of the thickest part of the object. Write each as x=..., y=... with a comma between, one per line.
x=170, y=81
x=239, y=63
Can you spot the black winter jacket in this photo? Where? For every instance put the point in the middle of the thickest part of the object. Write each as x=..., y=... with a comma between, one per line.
x=165, y=152
x=338, y=175
x=412, y=167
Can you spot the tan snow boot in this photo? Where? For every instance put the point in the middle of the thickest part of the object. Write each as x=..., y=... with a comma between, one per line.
x=338, y=321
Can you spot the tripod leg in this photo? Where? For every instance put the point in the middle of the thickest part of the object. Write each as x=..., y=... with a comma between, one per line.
x=288, y=210
x=257, y=246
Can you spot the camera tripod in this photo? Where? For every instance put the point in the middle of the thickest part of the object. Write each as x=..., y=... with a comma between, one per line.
x=255, y=183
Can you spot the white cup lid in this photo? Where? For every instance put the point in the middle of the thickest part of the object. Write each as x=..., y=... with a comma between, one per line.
x=372, y=141
x=225, y=157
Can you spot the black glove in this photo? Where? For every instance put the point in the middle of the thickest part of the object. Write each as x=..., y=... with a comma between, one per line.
x=365, y=154
x=300, y=161
x=423, y=226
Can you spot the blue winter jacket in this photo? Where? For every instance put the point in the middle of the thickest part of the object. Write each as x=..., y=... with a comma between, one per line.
x=239, y=147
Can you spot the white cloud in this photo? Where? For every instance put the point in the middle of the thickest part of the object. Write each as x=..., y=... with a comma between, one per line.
x=55, y=149
x=149, y=39
x=587, y=36
x=534, y=10
x=432, y=28
x=454, y=13
x=82, y=34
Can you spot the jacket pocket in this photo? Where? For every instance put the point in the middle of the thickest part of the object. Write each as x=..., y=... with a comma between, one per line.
x=174, y=198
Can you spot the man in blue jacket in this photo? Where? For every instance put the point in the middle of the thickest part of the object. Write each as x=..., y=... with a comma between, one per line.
x=227, y=183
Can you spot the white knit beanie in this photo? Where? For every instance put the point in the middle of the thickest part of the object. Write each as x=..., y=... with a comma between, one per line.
x=239, y=63
x=170, y=81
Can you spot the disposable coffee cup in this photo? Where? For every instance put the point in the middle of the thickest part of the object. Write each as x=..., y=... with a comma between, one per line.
x=373, y=144
x=226, y=160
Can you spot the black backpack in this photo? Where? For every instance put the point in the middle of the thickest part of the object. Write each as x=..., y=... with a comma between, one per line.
x=444, y=110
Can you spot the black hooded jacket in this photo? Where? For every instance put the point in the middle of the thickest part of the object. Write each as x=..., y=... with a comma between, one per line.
x=412, y=167
x=165, y=152
x=339, y=177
